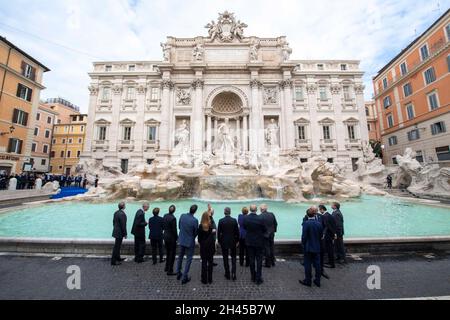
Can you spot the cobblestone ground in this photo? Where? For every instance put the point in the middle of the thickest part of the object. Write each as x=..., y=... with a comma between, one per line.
x=45, y=278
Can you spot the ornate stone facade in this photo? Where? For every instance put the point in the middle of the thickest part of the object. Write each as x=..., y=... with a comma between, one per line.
x=243, y=95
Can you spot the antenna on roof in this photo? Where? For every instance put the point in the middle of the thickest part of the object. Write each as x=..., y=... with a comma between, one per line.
x=438, y=8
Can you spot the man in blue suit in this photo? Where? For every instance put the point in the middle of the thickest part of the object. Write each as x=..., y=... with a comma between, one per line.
x=254, y=239
x=188, y=232
x=311, y=238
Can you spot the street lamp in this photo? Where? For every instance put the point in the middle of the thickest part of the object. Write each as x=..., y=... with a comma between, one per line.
x=11, y=130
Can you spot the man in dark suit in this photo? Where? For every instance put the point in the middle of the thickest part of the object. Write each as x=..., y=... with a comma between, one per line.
x=329, y=234
x=318, y=218
x=271, y=224
x=339, y=243
x=311, y=237
x=119, y=233
x=256, y=229
x=228, y=233
x=155, y=224
x=188, y=226
x=138, y=230
x=170, y=239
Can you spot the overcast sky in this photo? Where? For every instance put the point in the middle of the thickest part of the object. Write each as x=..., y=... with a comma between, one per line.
x=68, y=35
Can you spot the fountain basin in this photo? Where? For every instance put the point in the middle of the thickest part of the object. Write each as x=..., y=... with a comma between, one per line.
x=365, y=217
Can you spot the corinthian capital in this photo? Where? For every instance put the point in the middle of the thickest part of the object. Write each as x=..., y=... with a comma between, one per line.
x=93, y=90
x=311, y=88
x=198, y=83
x=288, y=83
x=167, y=84
x=117, y=89
x=335, y=88
x=255, y=83
x=359, y=88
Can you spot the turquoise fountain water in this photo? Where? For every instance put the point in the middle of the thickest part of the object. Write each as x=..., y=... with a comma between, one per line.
x=367, y=217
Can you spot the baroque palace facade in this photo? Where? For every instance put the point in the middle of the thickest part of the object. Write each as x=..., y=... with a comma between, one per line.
x=228, y=97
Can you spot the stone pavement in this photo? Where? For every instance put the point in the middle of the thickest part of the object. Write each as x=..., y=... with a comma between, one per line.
x=35, y=277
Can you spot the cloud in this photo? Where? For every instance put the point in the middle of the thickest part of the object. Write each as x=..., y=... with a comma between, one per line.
x=68, y=35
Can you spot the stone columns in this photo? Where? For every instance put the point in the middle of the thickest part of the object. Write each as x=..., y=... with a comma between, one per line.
x=245, y=133
x=289, y=128
x=256, y=131
x=90, y=130
x=115, y=134
x=360, y=104
x=216, y=123
x=197, y=117
x=238, y=132
x=315, y=128
x=165, y=136
x=140, y=133
x=208, y=133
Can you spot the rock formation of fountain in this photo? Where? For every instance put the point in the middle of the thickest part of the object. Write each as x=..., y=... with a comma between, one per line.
x=272, y=176
x=429, y=181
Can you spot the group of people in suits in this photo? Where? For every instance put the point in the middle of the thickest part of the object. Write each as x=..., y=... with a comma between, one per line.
x=253, y=234
x=322, y=234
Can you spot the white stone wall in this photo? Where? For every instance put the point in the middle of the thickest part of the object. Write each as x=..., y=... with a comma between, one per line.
x=226, y=68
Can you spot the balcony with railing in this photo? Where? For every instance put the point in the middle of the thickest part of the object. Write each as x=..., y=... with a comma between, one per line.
x=125, y=145
x=436, y=48
x=328, y=144
x=303, y=144
x=151, y=145
x=100, y=145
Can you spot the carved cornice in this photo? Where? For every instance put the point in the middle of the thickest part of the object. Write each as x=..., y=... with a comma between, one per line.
x=198, y=83
x=93, y=90
x=167, y=84
x=255, y=83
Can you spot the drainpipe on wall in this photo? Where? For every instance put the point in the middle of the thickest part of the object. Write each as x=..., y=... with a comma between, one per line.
x=4, y=75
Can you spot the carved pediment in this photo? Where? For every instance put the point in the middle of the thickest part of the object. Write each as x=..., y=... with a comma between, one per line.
x=152, y=121
x=351, y=120
x=302, y=121
x=127, y=121
x=102, y=122
x=326, y=121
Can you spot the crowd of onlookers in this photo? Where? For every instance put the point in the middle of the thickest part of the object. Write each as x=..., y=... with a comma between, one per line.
x=27, y=180
x=249, y=238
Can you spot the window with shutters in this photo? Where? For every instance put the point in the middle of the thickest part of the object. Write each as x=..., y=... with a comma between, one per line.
x=392, y=140
x=413, y=135
x=69, y=154
x=443, y=153
x=387, y=102
x=28, y=71
x=15, y=146
x=430, y=75
x=410, y=111
x=433, y=101
x=23, y=92
x=424, y=53
x=438, y=127
x=390, y=120
x=45, y=148
x=20, y=117
x=47, y=134
x=38, y=116
x=36, y=132
x=33, y=147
